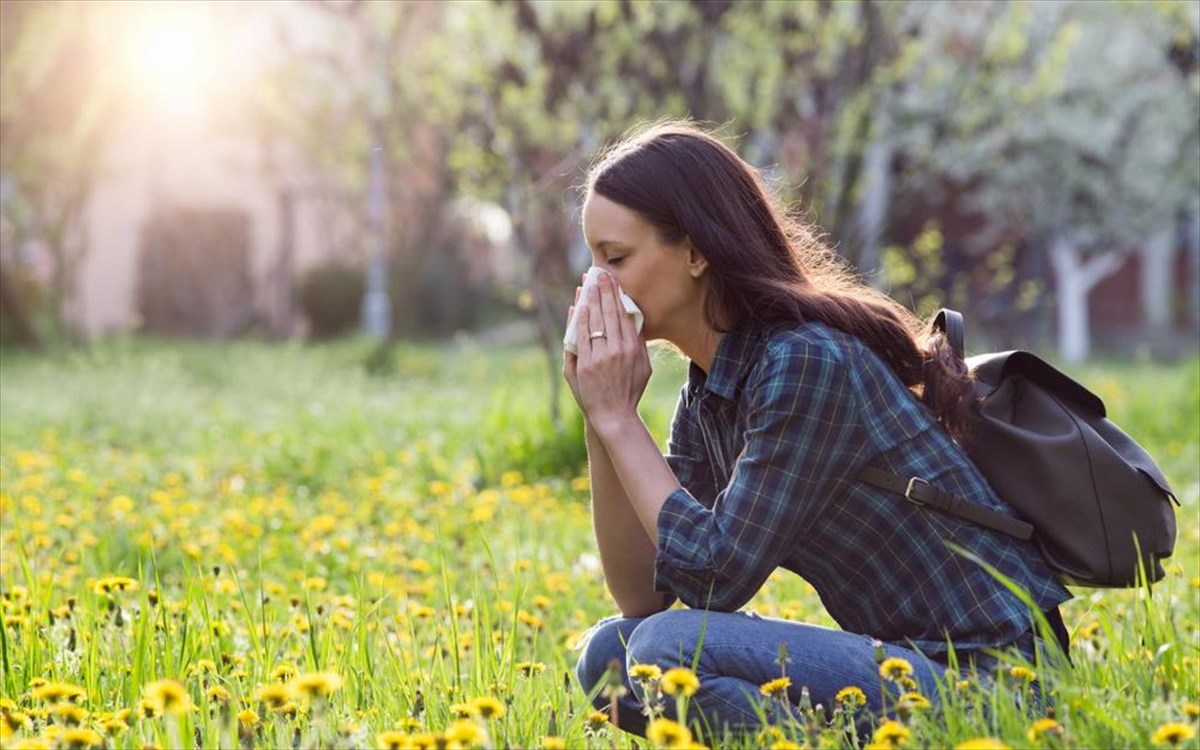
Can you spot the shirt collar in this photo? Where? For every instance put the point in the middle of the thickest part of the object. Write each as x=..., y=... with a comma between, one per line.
x=735, y=356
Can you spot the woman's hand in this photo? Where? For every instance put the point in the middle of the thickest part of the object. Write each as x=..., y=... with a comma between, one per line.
x=610, y=372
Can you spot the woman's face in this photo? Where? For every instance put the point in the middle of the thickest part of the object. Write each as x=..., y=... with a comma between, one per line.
x=662, y=279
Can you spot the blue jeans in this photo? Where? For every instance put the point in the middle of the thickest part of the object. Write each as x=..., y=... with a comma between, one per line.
x=740, y=652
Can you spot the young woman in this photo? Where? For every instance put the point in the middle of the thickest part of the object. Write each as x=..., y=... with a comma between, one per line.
x=800, y=377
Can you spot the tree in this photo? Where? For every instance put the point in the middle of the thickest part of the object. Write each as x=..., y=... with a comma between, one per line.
x=56, y=102
x=1083, y=156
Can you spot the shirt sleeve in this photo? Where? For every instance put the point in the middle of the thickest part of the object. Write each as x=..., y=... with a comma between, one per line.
x=802, y=440
x=687, y=456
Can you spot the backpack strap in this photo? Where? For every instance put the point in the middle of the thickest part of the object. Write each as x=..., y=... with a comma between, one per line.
x=950, y=322
x=920, y=492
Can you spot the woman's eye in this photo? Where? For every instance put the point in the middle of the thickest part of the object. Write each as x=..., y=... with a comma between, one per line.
x=615, y=261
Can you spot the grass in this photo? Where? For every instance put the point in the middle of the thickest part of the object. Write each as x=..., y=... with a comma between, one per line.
x=410, y=532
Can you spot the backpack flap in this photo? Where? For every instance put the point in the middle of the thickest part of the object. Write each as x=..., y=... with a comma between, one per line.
x=1045, y=446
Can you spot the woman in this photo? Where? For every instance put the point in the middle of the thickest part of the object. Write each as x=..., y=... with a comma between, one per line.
x=800, y=377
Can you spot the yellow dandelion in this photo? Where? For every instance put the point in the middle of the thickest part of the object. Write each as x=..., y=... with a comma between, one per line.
x=247, y=719
x=597, y=720
x=57, y=692
x=1173, y=733
x=982, y=743
x=851, y=696
x=680, y=680
x=31, y=743
x=1191, y=710
x=913, y=701
x=316, y=685
x=891, y=733
x=79, y=739
x=668, y=734
x=425, y=742
x=1043, y=728
x=466, y=733
x=392, y=740
x=12, y=721
x=784, y=744
x=530, y=668
x=1024, y=674
x=283, y=673
x=895, y=669
x=462, y=710
x=70, y=714
x=203, y=667
x=776, y=688
x=488, y=708
x=168, y=696
x=645, y=673
x=218, y=694
x=114, y=726
x=553, y=743
x=273, y=695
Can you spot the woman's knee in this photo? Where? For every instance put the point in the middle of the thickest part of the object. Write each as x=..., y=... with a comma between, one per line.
x=600, y=645
x=668, y=638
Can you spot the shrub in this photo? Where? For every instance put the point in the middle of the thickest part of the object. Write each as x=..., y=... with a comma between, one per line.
x=331, y=298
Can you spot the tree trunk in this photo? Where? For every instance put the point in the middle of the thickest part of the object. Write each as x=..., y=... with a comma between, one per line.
x=13, y=308
x=1074, y=278
x=1157, y=292
x=1192, y=231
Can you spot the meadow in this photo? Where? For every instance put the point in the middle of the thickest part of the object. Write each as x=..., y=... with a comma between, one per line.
x=262, y=545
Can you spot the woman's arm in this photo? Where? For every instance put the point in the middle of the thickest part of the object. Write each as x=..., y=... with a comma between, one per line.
x=626, y=552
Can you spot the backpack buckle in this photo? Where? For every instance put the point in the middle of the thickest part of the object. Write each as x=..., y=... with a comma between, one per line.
x=908, y=492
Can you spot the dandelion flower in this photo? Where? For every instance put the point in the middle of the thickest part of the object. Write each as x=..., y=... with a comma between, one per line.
x=530, y=668
x=273, y=695
x=57, y=692
x=553, y=743
x=169, y=696
x=12, y=722
x=597, y=720
x=283, y=673
x=466, y=733
x=680, y=680
x=79, y=739
x=982, y=743
x=70, y=714
x=218, y=694
x=488, y=708
x=1191, y=710
x=645, y=673
x=392, y=740
x=668, y=734
x=891, y=733
x=1173, y=733
x=316, y=685
x=247, y=719
x=776, y=688
x=851, y=696
x=913, y=701
x=895, y=669
x=784, y=744
x=1024, y=674
x=1043, y=728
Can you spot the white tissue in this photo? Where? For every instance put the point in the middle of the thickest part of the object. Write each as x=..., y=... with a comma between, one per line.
x=589, y=281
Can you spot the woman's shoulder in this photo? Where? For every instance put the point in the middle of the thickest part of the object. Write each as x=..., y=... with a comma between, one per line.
x=811, y=339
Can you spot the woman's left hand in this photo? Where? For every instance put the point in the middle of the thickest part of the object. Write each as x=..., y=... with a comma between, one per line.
x=612, y=368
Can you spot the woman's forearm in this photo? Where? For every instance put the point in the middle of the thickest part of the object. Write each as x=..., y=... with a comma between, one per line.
x=626, y=552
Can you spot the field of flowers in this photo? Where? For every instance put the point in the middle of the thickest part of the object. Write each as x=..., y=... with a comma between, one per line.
x=280, y=546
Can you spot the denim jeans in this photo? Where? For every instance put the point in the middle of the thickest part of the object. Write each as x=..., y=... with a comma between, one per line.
x=740, y=652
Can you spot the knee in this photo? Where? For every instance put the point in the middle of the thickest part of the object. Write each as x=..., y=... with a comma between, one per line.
x=604, y=642
x=668, y=638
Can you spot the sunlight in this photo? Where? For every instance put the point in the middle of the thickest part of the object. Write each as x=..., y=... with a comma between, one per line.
x=170, y=60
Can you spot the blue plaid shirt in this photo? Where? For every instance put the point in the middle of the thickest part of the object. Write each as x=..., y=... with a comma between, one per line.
x=768, y=446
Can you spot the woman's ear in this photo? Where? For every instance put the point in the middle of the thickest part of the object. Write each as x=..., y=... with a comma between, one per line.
x=697, y=263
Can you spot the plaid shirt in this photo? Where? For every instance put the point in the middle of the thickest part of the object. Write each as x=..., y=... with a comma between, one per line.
x=767, y=447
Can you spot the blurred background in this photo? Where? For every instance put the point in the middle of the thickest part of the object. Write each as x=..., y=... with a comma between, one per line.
x=306, y=170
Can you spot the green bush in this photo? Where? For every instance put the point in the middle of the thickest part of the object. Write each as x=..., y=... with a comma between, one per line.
x=331, y=298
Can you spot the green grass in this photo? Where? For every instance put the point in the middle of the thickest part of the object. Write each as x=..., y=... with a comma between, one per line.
x=415, y=523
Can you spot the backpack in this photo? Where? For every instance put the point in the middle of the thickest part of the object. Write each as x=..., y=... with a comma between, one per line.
x=1093, y=500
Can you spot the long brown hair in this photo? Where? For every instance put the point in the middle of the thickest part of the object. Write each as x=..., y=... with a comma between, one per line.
x=766, y=266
